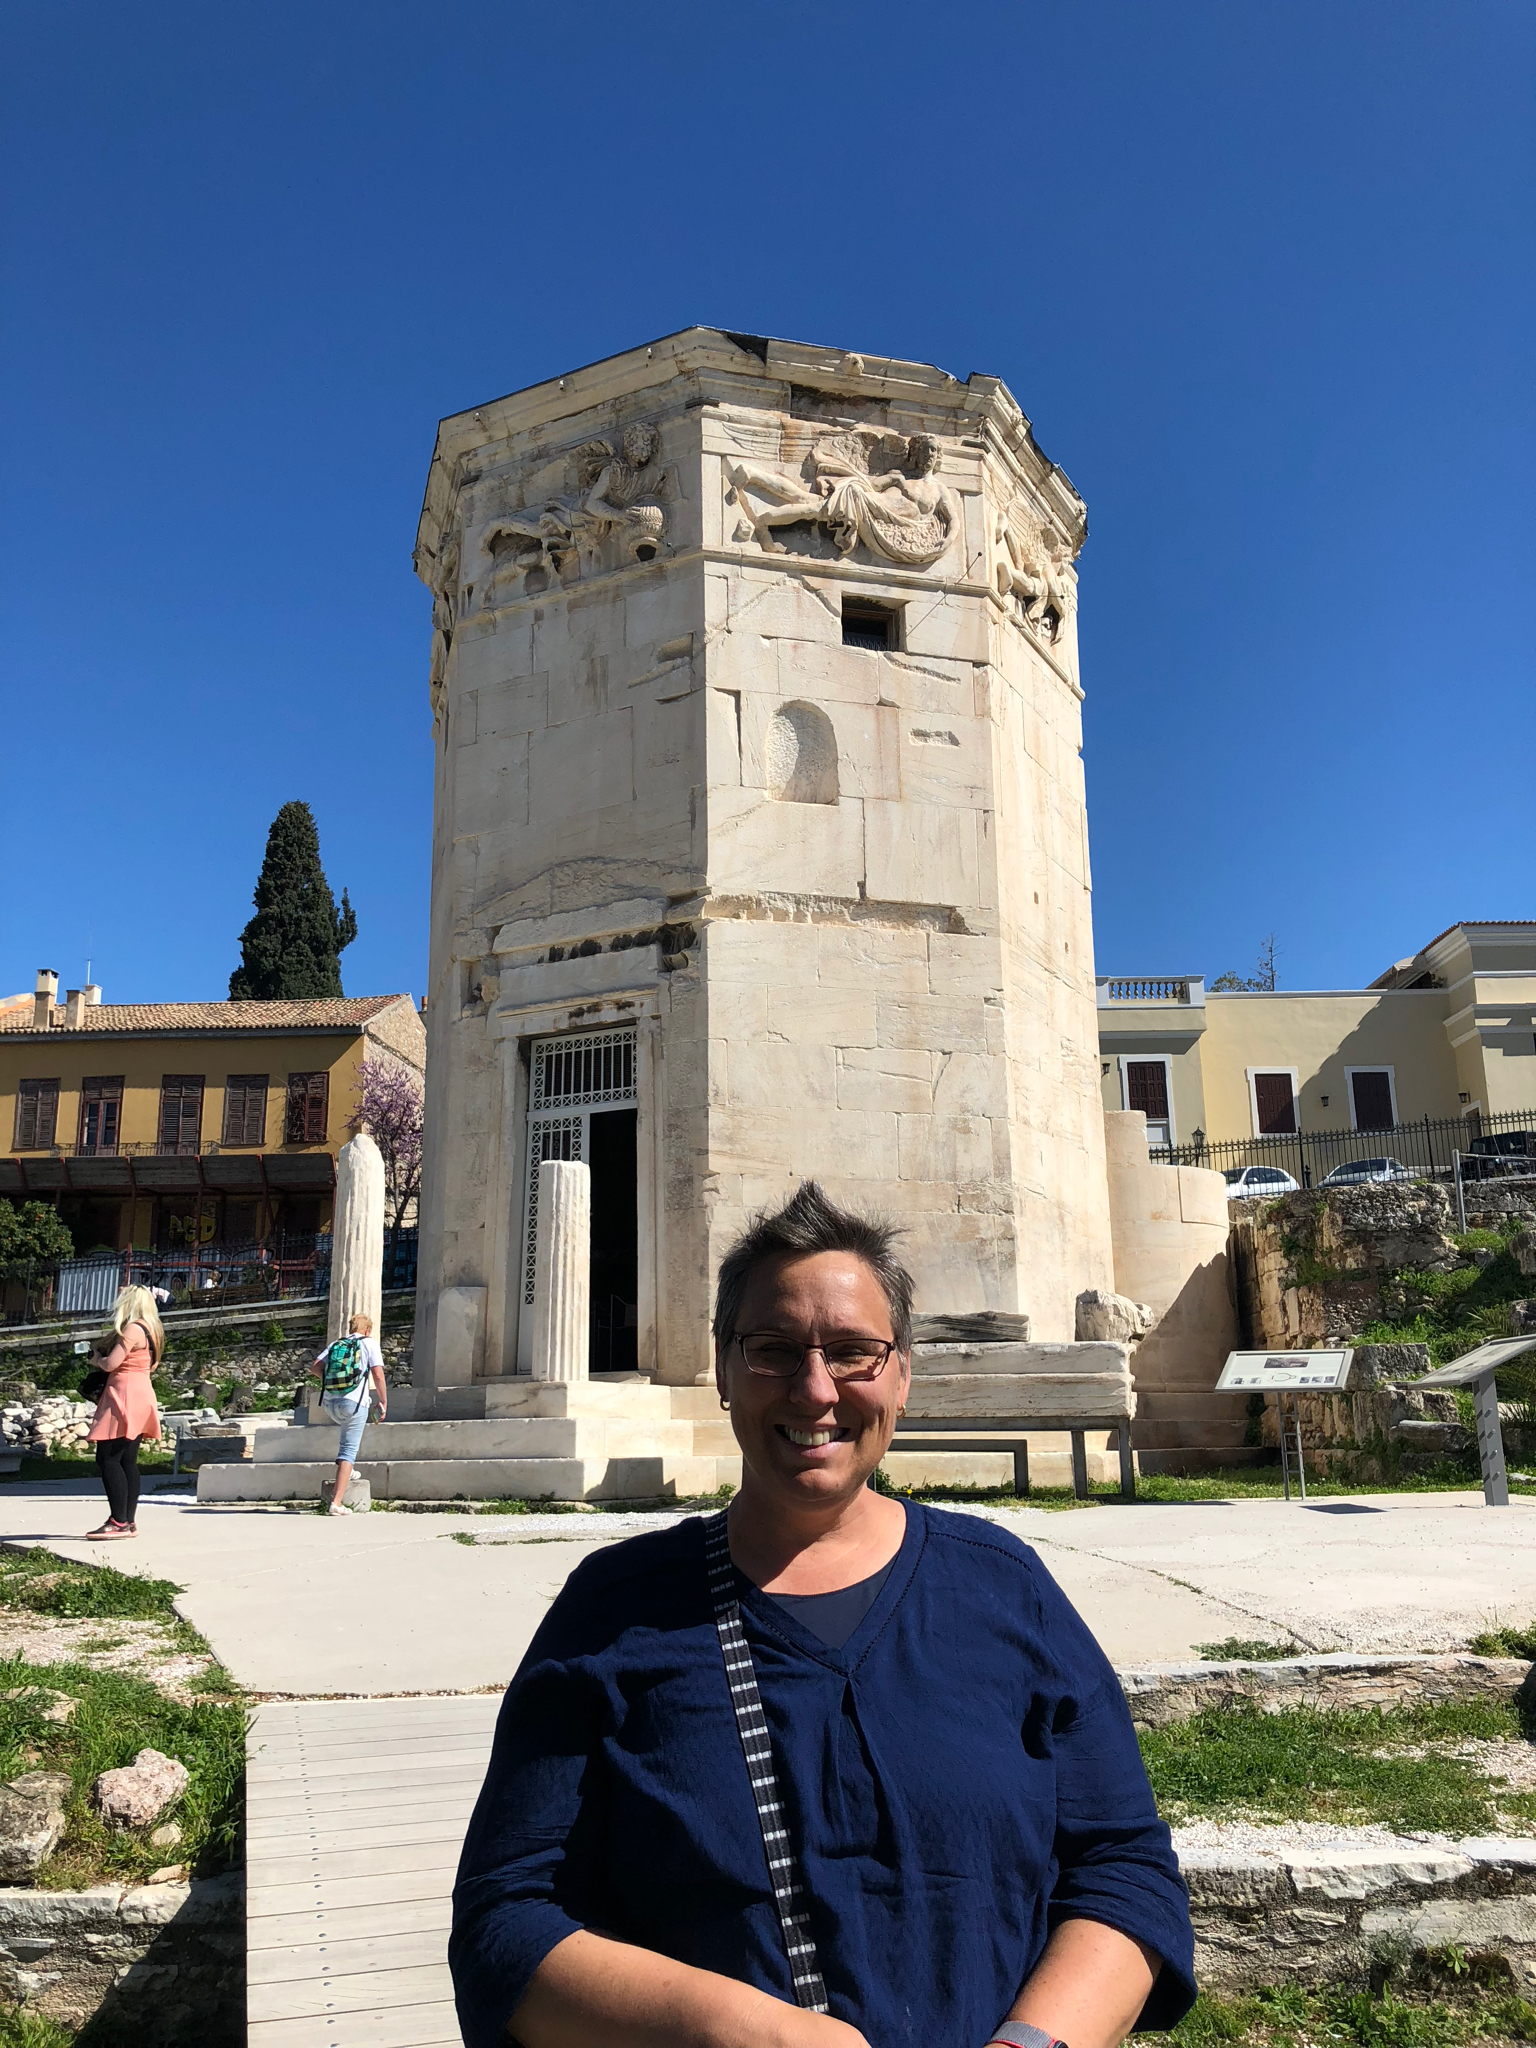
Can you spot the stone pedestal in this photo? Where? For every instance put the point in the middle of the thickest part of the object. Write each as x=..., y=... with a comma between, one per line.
x=561, y=1286
x=357, y=1238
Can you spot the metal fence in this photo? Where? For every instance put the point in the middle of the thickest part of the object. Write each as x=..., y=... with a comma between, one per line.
x=1428, y=1150
x=288, y=1266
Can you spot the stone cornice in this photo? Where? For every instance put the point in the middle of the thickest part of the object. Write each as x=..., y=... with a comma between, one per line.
x=757, y=374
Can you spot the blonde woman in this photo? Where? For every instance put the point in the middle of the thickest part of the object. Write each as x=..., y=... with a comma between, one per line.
x=131, y=1346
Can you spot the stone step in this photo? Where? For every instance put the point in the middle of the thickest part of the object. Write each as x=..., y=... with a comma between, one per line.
x=523, y=1437
x=620, y=1478
x=636, y=1398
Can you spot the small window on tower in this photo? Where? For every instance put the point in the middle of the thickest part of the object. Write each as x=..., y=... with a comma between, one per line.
x=869, y=625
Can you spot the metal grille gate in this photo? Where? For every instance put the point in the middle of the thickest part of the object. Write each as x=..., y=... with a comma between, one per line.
x=569, y=1078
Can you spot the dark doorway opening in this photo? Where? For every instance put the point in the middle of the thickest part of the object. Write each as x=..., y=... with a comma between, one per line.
x=615, y=1263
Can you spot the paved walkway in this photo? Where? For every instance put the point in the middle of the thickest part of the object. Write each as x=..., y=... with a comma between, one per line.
x=393, y=1603
x=355, y=1813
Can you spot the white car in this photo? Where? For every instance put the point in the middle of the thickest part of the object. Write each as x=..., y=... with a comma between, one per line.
x=1355, y=1173
x=1244, y=1182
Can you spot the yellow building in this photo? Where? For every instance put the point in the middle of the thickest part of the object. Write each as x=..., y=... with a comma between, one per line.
x=1448, y=1034
x=169, y=1124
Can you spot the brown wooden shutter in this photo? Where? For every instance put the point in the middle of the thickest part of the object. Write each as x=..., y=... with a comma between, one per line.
x=181, y=1113
x=101, y=1108
x=37, y=1115
x=1373, y=1101
x=1146, y=1087
x=309, y=1100
x=245, y=1109
x=1276, y=1103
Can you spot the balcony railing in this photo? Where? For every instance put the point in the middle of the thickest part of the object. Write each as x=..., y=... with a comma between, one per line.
x=1151, y=988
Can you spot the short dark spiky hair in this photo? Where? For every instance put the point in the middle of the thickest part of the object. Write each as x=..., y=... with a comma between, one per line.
x=809, y=1223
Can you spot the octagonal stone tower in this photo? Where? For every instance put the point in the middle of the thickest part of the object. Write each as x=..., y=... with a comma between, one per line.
x=760, y=847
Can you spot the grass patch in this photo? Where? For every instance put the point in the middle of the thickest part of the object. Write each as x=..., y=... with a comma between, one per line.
x=116, y=1718
x=1242, y=1650
x=1505, y=1642
x=1465, y=2010
x=1311, y=1765
x=22, y=2029
x=49, y=1584
x=73, y=1464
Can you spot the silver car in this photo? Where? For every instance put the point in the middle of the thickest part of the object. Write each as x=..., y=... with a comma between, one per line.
x=1355, y=1173
x=1245, y=1182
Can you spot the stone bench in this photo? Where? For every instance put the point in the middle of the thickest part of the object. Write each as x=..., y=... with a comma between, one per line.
x=994, y=1396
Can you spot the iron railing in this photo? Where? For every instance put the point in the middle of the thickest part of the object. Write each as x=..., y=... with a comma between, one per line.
x=287, y=1266
x=1428, y=1149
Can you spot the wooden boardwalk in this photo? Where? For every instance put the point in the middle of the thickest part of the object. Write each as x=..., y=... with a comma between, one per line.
x=356, y=1810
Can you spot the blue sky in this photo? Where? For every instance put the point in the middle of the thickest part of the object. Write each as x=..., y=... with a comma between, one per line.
x=1261, y=275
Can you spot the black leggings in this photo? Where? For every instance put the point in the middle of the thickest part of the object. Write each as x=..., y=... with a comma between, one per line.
x=117, y=1460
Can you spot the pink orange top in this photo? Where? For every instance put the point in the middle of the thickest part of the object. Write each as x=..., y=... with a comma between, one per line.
x=127, y=1405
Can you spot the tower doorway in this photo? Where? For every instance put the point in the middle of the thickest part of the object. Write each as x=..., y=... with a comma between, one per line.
x=582, y=1105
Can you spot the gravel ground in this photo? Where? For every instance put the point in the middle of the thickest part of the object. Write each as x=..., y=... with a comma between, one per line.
x=141, y=1649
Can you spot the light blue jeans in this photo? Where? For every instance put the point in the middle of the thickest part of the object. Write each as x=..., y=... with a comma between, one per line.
x=351, y=1411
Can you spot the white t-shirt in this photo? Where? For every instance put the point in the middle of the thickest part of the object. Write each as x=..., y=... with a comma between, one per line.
x=373, y=1359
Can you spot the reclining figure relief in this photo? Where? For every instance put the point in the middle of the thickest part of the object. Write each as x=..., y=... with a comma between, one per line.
x=866, y=485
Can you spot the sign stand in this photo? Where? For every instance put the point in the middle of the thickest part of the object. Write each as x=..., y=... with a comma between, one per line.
x=1286, y=1424
x=1476, y=1369
x=1287, y=1373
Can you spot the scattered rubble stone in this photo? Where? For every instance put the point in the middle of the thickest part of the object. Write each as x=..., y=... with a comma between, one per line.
x=138, y=1793
x=165, y=1837
x=31, y=1823
x=36, y=1426
x=1107, y=1318
x=57, y=1707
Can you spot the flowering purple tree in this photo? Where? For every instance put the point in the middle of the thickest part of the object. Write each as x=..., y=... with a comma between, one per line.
x=389, y=1106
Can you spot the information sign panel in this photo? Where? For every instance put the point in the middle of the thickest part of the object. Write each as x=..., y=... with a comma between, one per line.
x=1274, y=1372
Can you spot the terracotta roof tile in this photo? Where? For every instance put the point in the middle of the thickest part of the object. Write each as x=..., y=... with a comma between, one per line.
x=322, y=1013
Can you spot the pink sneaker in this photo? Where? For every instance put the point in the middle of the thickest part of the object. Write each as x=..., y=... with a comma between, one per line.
x=110, y=1532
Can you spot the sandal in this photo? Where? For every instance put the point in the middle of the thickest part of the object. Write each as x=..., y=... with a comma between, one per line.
x=110, y=1531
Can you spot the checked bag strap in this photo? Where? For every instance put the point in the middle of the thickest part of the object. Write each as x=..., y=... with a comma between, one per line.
x=789, y=1893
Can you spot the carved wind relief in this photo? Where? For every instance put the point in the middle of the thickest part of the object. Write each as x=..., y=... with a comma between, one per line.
x=442, y=576
x=1034, y=566
x=615, y=514
x=866, y=484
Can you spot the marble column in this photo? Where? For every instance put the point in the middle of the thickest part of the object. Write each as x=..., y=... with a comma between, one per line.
x=357, y=1237
x=561, y=1283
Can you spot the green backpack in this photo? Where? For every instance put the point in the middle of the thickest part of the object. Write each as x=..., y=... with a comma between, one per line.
x=344, y=1367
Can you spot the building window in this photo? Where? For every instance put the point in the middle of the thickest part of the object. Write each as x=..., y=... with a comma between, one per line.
x=1371, y=1103
x=1274, y=1104
x=101, y=1112
x=245, y=1109
x=309, y=1100
x=181, y=1113
x=1146, y=1089
x=37, y=1115
x=872, y=626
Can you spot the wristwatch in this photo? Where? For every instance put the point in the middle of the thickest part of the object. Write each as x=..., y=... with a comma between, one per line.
x=1016, y=2034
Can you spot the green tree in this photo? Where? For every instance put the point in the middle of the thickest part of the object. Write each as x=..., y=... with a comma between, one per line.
x=32, y=1232
x=292, y=946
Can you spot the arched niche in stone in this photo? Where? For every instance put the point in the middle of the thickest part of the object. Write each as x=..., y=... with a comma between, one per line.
x=800, y=756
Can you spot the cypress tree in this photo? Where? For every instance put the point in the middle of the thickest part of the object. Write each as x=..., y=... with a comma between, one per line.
x=292, y=946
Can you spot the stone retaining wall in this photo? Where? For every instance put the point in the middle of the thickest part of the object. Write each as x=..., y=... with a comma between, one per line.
x=1335, y=1681
x=165, y=1963
x=1326, y=1916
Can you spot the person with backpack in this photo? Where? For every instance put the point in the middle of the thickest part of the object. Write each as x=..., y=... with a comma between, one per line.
x=351, y=1376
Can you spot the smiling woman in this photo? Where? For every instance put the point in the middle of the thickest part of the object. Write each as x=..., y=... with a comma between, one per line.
x=825, y=1769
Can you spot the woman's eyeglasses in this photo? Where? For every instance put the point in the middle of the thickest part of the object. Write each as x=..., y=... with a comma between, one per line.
x=846, y=1358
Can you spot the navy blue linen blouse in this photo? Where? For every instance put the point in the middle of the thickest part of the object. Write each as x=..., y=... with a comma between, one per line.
x=960, y=1777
